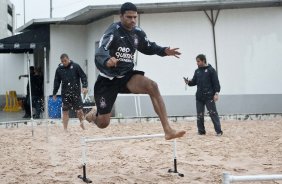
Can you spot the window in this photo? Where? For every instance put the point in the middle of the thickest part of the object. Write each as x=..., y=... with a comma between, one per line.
x=10, y=10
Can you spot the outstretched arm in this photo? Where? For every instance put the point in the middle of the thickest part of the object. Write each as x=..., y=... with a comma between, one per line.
x=150, y=48
x=172, y=52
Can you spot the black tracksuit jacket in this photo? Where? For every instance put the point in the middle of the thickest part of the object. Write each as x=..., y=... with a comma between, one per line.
x=207, y=83
x=70, y=77
x=120, y=43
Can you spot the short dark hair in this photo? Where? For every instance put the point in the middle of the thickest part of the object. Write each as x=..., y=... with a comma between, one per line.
x=128, y=6
x=64, y=56
x=202, y=57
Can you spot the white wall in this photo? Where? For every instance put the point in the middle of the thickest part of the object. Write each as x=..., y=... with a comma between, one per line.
x=249, y=42
x=189, y=31
x=249, y=50
x=11, y=66
x=69, y=39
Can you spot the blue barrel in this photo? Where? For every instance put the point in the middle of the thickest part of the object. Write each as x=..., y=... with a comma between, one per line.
x=54, y=107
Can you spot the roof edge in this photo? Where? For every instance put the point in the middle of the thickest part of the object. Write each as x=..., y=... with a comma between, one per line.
x=39, y=21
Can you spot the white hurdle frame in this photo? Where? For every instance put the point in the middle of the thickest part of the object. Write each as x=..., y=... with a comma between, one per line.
x=85, y=140
x=227, y=178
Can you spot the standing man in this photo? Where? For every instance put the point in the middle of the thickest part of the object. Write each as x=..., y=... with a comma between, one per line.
x=37, y=91
x=208, y=88
x=27, y=100
x=114, y=59
x=69, y=74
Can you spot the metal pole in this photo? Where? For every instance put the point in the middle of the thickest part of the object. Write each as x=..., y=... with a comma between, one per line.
x=139, y=107
x=174, y=156
x=17, y=21
x=257, y=178
x=83, y=144
x=30, y=97
x=83, y=176
x=213, y=22
x=45, y=93
x=136, y=107
x=174, y=170
x=51, y=9
x=226, y=178
x=214, y=38
x=24, y=10
x=124, y=138
x=174, y=149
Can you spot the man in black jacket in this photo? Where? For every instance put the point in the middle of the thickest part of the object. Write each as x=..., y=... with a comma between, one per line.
x=208, y=87
x=26, y=100
x=69, y=74
x=37, y=91
x=114, y=59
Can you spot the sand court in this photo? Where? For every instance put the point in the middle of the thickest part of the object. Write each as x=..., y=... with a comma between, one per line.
x=246, y=148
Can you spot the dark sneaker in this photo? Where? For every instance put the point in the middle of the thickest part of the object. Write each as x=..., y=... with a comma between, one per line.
x=36, y=116
x=26, y=116
x=219, y=134
x=201, y=133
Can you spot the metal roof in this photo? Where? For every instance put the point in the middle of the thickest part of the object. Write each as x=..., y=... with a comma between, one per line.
x=93, y=13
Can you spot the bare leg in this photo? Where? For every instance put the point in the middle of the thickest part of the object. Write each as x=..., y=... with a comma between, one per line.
x=80, y=115
x=102, y=121
x=65, y=120
x=140, y=84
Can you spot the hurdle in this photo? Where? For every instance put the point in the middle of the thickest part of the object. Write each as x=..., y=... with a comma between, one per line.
x=227, y=178
x=85, y=140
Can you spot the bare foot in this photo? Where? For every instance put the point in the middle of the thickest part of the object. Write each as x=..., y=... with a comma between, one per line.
x=174, y=134
x=91, y=116
x=82, y=125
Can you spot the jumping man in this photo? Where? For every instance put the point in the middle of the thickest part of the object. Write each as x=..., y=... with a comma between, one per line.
x=114, y=59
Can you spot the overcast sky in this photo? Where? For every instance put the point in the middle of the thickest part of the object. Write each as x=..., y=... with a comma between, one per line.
x=35, y=9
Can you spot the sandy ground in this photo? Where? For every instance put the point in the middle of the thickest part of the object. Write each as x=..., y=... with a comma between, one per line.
x=246, y=148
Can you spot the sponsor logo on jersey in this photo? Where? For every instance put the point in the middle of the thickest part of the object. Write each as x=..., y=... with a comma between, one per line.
x=124, y=54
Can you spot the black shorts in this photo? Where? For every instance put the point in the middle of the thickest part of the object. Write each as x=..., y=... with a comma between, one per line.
x=106, y=90
x=72, y=101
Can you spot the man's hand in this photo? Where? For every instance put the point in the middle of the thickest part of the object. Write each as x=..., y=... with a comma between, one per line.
x=54, y=97
x=84, y=90
x=215, y=97
x=172, y=52
x=112, y=62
